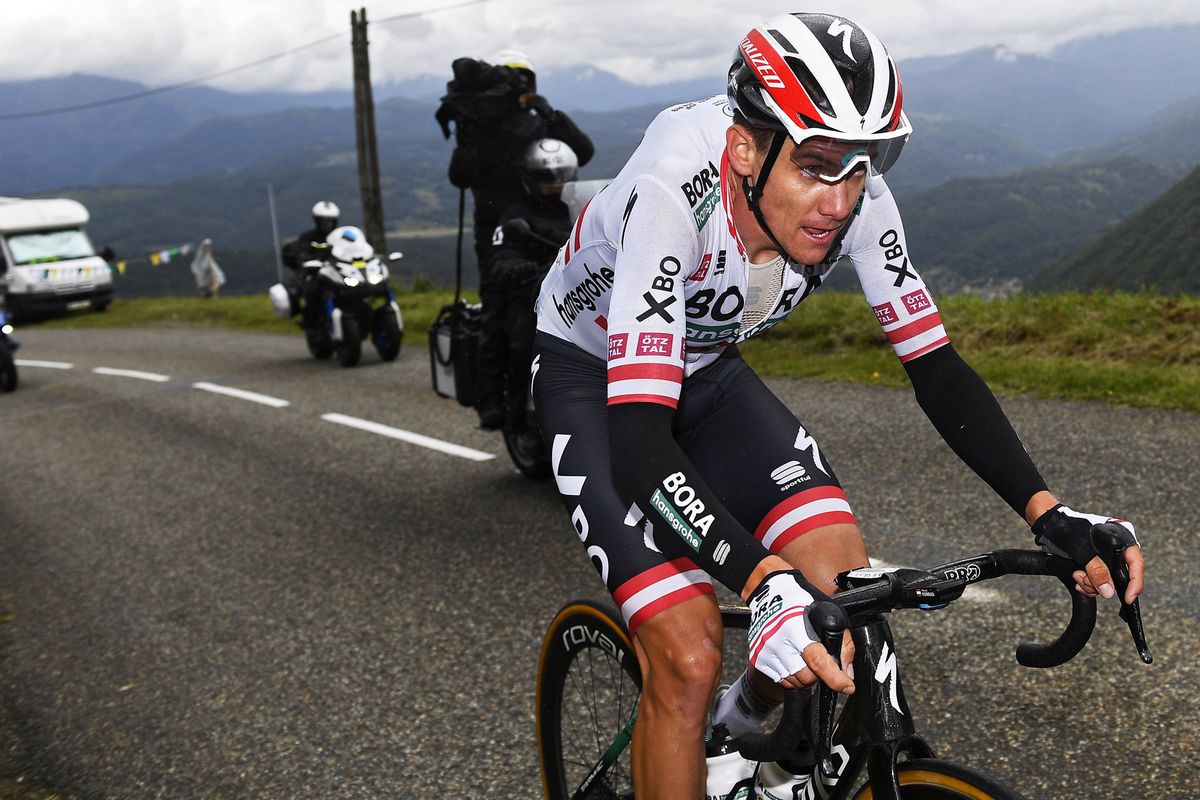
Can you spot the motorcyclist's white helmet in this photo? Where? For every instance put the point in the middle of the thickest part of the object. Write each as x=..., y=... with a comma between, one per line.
x=324, y=209
x=547, y=164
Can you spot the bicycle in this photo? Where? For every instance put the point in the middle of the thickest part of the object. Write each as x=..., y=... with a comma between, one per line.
x=589, y=681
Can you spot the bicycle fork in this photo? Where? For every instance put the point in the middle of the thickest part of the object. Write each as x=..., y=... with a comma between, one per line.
x=875, y=728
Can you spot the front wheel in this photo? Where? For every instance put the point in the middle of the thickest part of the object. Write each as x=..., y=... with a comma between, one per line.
x=935, y=779
x=319, y=343
x=349, y=349
x=588, y=685
x=386, y=334
x=8, y=372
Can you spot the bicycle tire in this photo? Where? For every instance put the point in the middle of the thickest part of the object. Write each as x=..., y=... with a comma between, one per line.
x=588, y=685
x=936, y=779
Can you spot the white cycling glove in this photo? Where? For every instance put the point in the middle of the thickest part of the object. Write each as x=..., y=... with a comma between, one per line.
x=1067, y=534
x=779, y=630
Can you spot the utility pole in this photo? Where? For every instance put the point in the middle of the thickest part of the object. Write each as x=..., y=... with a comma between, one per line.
x=364, y=124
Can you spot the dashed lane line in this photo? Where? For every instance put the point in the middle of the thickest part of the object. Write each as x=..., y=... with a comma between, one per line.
x=132, y=373
x=410, y=437
x=32, y=362
x=241, y=394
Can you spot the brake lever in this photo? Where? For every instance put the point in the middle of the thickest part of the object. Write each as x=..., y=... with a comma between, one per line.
x=830, y=622
x=1111, y=547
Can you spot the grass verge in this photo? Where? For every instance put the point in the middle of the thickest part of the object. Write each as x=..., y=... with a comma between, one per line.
x=1140, y=350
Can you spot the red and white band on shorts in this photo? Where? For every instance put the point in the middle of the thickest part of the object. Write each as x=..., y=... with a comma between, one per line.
x=745, y=443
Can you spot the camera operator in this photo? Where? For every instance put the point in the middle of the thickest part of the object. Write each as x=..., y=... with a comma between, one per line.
x=497, y=114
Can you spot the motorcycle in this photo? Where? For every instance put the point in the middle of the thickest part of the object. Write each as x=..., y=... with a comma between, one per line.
x=8, y=366
x=352, y=298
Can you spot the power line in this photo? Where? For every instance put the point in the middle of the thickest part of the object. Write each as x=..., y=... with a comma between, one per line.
x=206, y=78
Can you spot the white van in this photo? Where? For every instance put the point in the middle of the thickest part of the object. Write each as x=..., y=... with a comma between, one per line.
x=47, y=262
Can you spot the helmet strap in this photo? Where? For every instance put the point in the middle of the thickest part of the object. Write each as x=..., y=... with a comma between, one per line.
x=754, y=193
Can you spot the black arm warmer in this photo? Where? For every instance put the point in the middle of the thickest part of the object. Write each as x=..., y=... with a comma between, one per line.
x=651, y=470
x=965, y=412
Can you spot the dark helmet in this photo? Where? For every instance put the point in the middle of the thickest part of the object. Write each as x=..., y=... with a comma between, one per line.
x=819, y=75
x=547, y=165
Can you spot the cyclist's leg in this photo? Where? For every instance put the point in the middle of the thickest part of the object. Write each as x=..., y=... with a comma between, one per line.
x=679, y=651
x=772, y=473
x=668, y=605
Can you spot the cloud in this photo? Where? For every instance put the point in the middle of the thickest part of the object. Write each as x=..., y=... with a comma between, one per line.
x=158, y=43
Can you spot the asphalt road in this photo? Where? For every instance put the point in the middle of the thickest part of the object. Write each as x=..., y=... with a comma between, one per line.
x=214, y=597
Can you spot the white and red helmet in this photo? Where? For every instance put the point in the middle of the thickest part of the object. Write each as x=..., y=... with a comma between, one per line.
x=821, y=75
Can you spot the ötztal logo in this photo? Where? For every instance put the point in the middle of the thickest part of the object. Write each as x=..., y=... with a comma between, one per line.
x=655, y=344
x=917, y=301
x=886, y=313
x=616, y=345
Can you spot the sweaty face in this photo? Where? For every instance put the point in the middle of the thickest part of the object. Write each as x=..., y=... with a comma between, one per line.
x=811, y=194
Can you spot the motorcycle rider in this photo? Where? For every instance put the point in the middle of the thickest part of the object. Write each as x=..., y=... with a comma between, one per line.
x=521, y=255
x=309, y=245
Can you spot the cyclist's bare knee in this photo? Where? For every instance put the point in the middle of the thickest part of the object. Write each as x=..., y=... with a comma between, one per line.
x=680, y=654
x=824, y=552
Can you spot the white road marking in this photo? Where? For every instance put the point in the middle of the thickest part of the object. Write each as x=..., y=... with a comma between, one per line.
x=132, y=373
x=29, y=362
x=408, y=436
x=241, y=394
x=974, y=592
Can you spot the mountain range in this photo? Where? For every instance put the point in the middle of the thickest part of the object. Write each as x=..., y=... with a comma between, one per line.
x=1016, y=162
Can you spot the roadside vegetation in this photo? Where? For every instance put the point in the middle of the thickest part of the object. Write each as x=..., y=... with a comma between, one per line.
x=1130, y=349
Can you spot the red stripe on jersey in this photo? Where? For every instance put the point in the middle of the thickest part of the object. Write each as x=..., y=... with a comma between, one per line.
x=791, y=95
x=646, y=372
x=795, y=501
x=667, y=601
x=927, y=348
x=660, y=399
x=601, y=321
x=651, y=576
x=811, y=524
x=727, y=200
x=906, y=332
x=579, y=223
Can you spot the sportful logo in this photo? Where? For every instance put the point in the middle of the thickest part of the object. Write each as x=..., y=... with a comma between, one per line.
x=789, y=474
x=721, y=551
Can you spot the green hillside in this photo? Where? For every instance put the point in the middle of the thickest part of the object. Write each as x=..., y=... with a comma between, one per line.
x=1158, y=247
x=973, y=230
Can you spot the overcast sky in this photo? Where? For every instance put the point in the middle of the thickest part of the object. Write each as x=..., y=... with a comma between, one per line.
x=159, y=42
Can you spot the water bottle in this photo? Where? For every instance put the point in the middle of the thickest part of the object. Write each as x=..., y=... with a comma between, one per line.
x=730, y=777
x=782, y=781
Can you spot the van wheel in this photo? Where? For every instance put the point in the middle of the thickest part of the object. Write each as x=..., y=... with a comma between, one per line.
x=100, y=305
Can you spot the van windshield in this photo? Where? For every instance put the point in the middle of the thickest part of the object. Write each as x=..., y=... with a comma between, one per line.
x=41, y=246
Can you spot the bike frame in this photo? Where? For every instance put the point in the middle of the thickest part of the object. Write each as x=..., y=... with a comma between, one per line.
x=875, y=726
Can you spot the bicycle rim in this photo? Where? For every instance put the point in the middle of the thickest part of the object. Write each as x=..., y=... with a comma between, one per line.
x=935, y=779
x=588, y=685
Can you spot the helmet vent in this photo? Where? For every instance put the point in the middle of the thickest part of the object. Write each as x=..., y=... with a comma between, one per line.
x=810, y=85
x=783, y=41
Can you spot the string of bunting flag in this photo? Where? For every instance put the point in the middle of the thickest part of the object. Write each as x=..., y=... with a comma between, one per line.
x=156, y=258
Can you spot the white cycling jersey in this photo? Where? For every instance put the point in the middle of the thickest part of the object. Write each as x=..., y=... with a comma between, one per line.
x=653, y=278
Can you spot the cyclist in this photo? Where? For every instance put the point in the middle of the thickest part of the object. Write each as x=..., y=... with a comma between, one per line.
x=675, y=461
